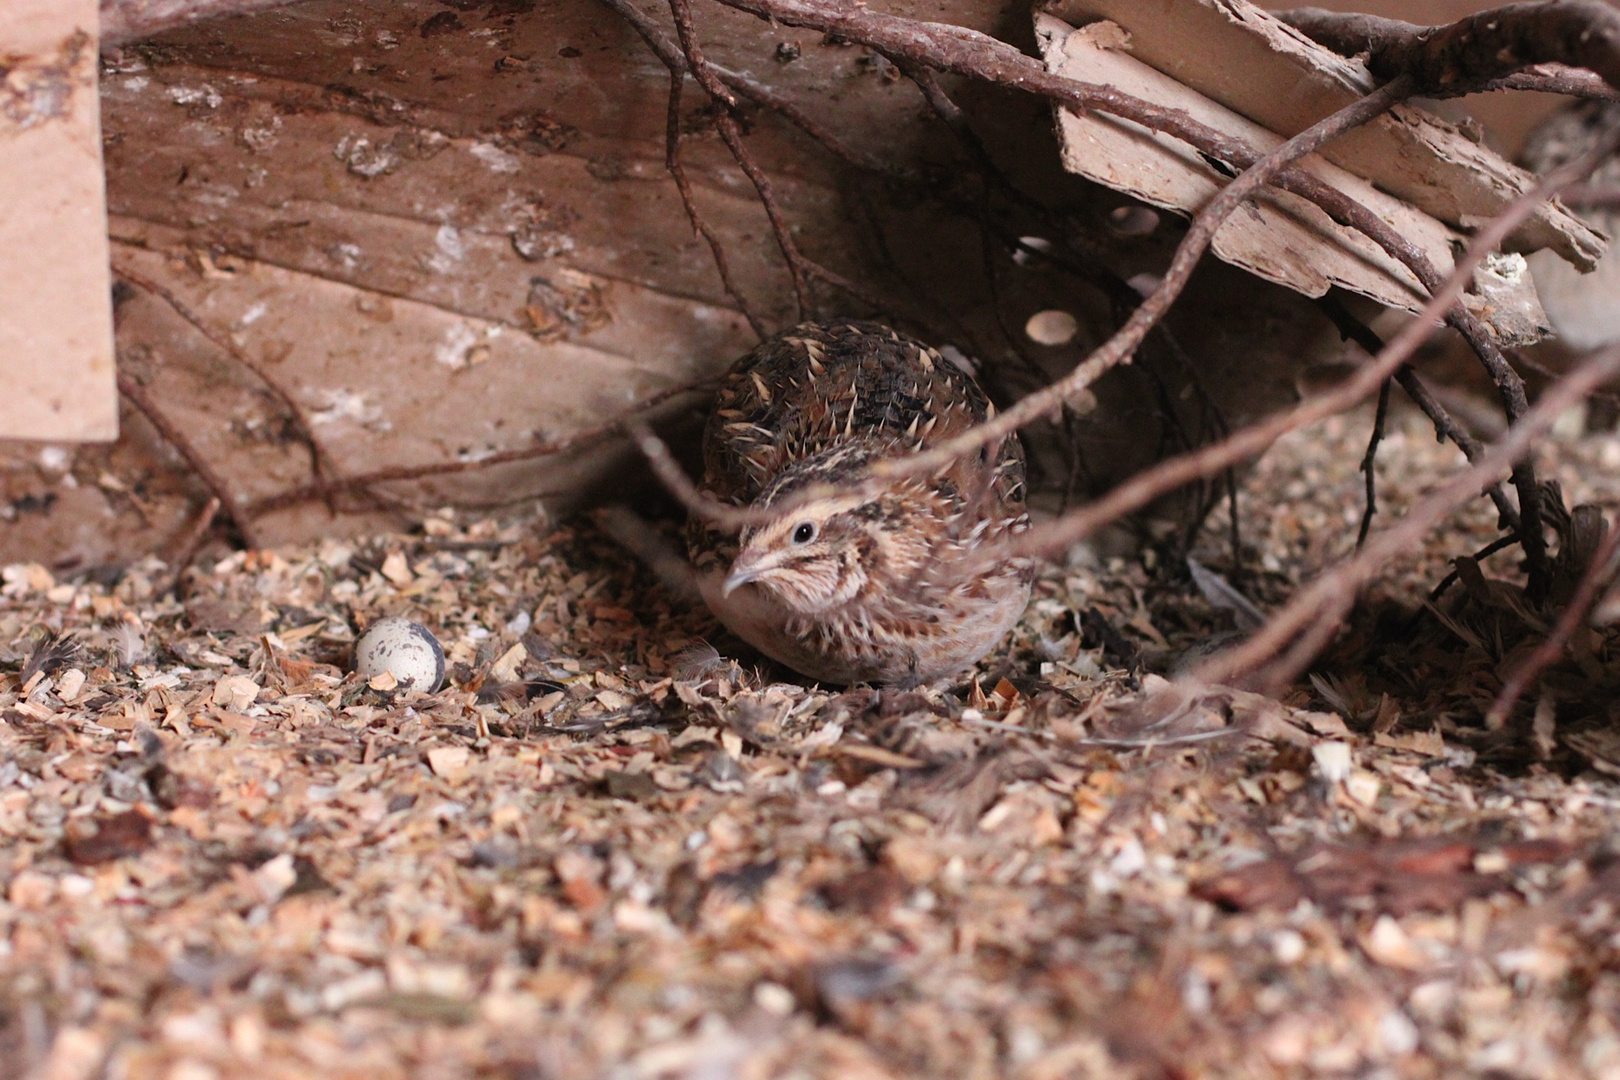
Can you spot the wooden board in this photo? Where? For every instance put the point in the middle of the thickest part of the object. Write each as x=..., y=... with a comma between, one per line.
x=55, y=301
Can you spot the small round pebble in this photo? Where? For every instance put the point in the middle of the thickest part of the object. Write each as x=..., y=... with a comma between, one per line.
x=405, y=649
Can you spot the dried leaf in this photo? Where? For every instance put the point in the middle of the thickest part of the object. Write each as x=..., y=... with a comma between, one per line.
x=115, y=837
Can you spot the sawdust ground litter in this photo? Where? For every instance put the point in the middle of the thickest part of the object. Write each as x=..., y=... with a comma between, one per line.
x=614, y=846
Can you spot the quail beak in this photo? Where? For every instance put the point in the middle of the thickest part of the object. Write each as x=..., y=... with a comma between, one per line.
x=740, y=575
x=748, y=567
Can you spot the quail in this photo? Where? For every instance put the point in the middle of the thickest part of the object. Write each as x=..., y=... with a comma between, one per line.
x=848, y=586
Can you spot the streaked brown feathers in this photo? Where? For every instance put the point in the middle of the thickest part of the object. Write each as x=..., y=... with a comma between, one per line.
x=848, y=589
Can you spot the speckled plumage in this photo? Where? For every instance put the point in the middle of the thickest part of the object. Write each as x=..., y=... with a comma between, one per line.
x=847, y=589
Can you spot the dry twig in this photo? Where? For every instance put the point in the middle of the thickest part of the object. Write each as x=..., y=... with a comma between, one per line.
x=676, y=63
x=1580, y=605
x=726, y=123
x=800, y=267
x=317, y=458
x=137, y=396
x=1369, y=463
x=1475, y=50
x=1445, y=426
x=191, y=543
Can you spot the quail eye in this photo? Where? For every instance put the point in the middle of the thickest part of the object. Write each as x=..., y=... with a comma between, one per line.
x=805, y=533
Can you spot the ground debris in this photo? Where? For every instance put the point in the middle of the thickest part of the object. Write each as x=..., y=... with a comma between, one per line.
x=1393, y=877
x=617, y=845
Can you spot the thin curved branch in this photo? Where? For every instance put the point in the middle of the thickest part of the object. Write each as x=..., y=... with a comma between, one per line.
x=700, y=67
x=191, y=543
x=754, y=91
x=1556, y=79
x=676, y=64
x=137, y=396
x=1369, y=464
x=731, y=134
x=1478, y=48
x=1445, y=426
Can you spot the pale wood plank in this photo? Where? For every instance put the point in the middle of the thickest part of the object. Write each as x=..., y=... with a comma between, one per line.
x=56, y=346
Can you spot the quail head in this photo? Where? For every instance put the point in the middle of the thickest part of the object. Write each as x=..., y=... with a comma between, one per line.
x=846, y=587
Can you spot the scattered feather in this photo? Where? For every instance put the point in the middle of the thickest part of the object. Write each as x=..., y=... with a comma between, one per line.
x=696, y=661
x=51, y=654
x=1333, y=692
x=1224, y=597
x=128, y=644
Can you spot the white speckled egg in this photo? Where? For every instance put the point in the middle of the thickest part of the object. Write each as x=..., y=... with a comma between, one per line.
x=404, y=649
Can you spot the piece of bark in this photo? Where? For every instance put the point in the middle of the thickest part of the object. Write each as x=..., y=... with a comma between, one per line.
x=1281, y=237
x=1254, y=64
x=1284, y=239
